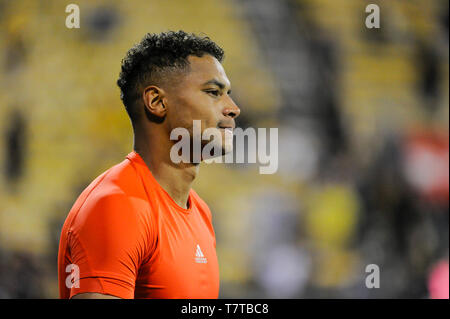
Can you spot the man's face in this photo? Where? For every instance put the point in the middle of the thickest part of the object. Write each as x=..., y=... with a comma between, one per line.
x=202, y=94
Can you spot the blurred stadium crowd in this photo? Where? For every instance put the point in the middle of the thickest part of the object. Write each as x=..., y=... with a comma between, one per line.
x=363, y=139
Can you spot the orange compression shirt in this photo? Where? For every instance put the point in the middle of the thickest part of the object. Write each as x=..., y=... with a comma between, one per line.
x=126, y=237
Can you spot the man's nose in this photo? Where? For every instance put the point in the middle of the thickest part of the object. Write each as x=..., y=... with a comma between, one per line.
x=231, y=109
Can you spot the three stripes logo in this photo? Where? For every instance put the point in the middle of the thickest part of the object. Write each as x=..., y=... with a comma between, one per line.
x=199, y=257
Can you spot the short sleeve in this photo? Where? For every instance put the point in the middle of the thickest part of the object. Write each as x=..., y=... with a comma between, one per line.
x=107, y=242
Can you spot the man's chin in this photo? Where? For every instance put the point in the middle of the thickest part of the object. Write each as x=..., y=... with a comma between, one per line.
x=219, y=146
x=217, y=152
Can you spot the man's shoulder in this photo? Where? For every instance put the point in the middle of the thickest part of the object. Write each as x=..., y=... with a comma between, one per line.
x=119, y=180
x=116, y=189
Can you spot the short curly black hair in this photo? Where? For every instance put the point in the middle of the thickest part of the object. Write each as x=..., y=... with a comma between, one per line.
x=146, y=62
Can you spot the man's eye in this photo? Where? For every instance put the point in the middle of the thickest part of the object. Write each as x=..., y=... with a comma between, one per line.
x=213, y=92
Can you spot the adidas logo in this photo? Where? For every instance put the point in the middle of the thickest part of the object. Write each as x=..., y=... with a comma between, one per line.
x=199, y=257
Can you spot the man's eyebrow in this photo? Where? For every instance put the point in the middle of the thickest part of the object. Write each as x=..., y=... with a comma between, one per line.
x=215, y=82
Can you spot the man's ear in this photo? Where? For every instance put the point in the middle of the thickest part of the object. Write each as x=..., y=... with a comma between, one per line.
x=153, y=97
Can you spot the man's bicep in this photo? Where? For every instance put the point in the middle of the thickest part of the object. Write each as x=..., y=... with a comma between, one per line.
x=94, y=295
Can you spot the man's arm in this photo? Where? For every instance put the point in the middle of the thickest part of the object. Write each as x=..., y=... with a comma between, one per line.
x=107, y=243
x=93, y=295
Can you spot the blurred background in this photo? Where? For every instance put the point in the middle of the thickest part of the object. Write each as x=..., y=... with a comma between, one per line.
x=363, y=119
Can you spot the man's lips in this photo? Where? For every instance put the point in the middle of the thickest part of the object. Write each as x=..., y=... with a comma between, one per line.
x=226, y=126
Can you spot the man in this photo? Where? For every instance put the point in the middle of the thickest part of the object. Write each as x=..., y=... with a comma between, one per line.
x=139, y=230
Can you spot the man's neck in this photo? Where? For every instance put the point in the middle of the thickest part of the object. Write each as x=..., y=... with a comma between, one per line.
x=175, y=179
